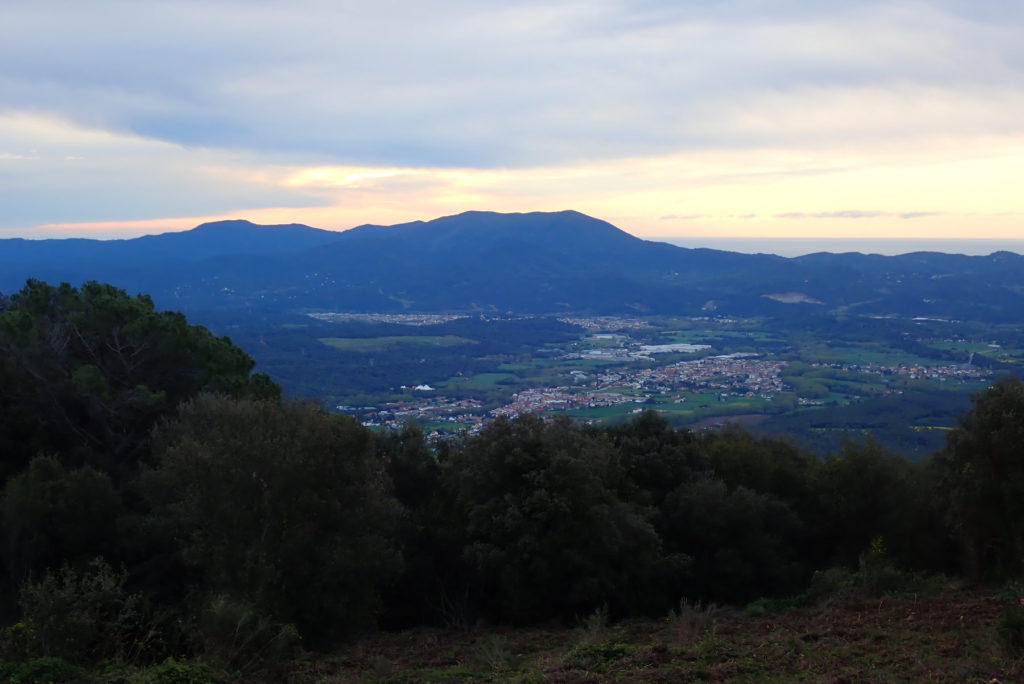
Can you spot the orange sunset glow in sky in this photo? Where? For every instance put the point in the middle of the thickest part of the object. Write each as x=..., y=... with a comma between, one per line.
x=742, y=119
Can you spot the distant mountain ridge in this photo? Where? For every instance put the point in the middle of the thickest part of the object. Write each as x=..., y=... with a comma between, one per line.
x=150, y=261
x=532, y=262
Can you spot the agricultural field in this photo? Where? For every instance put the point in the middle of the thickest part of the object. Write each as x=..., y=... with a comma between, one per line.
x=371, y=344
x=902, y=381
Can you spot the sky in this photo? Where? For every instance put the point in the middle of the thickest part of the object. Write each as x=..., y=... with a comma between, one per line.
x=755, y=119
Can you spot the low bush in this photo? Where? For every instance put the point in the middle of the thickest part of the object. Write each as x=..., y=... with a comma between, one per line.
x=769, y=604
x=238, y=638
x=693, y=620
x=82, y=616
x=176, y=672
x=1010, y=629
x=46, y=670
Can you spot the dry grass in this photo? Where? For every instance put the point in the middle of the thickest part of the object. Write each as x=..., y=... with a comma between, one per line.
x=946, y=638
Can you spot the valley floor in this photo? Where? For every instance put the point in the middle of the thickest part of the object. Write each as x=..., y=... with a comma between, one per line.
x=952, y=637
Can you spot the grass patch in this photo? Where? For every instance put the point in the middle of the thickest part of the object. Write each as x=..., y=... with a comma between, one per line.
x=521, y=366
x=370, y=344
x=966, y=347
x=865, y=355
x=480, y=381
x=598, y=656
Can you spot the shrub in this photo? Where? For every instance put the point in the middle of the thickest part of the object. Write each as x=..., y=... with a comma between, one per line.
x=1010, y=629
x=82, y=616
x=879, y=576
x=599, y=655
x=174, y=672
x=496, y=656
x=49, y=671
x=237, y=637
x=693, y=620
x=776, y=605
x=54, y=515
x=16, y=643
x=829, y=583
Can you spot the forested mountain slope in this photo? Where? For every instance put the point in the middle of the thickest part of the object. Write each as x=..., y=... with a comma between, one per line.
x=534, y=262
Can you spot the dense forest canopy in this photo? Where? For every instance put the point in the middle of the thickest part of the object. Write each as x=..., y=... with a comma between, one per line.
x=159, y=499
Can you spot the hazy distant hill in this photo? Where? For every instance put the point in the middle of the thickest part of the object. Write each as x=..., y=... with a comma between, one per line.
x=152, y=263
x=536, y=262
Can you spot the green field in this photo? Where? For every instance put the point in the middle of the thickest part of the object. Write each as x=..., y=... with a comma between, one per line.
x=976, y=347
x=479, y=381
x=519, y=365
x=696, y=407
x=723, y=338
x=863, y=355
x=369, y=344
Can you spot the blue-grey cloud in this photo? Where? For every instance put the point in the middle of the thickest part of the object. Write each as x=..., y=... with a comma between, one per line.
x=854, y=214
x=192, y=94
x=52, y=173
x=486, y=83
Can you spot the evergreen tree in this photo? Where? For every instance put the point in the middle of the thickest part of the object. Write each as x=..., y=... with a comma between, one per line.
x=282, y=506
x=982, y=468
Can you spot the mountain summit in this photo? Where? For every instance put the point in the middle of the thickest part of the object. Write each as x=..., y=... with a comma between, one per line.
x=483, y=230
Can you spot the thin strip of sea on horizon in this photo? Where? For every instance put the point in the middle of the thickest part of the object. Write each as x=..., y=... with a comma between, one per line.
x=791, y=247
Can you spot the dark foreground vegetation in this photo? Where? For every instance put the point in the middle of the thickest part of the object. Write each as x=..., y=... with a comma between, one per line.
x=167, y=517
x=848, y=636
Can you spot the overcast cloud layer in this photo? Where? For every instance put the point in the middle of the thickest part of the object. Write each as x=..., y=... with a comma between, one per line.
x=116, y=110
